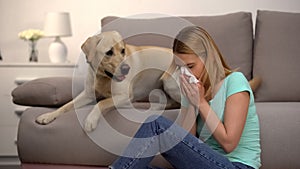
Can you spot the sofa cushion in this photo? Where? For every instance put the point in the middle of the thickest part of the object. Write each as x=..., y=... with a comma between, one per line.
x=65, y=142
x=54, y=166
x=233, y=33
x=279, y=131
x=276, y=56
x=50, y=91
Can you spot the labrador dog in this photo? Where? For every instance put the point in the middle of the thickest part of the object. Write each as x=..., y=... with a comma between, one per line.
x=118, y=72
x=122, y=73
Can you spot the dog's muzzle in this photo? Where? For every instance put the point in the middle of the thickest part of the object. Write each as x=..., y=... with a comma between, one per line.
x=124, y=69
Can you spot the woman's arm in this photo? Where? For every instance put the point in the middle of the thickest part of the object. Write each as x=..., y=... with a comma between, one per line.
x=229, y=132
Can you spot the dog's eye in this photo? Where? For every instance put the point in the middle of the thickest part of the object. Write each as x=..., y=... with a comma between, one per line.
x=123, y=51
x=109, y=53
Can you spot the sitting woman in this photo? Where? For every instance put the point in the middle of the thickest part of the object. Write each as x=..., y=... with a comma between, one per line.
x=218, y=126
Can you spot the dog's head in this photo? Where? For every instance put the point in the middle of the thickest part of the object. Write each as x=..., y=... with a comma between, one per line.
x=105, y=53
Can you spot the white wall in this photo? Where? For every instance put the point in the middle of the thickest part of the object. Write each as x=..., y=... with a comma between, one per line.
x=17, y=15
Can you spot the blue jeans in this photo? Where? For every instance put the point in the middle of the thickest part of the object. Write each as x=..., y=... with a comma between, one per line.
x=181, y=149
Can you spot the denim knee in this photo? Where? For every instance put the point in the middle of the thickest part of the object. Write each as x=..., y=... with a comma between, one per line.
x=152, y=118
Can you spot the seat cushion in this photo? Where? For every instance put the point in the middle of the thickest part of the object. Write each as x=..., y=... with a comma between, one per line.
x=233, y=33
x=276, y=56
x=279, y=126
x=61, y=142
x=52, y=166
x=64, y=141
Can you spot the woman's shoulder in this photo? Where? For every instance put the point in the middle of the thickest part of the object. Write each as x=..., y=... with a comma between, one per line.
x=236, y=82
x=236, y=76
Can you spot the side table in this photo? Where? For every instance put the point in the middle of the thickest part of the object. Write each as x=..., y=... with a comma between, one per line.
x=13, y=74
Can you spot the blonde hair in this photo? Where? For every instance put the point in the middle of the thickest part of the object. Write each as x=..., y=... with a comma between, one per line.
x=195, y=40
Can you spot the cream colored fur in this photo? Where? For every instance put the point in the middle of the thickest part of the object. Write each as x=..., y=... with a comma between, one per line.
x=147, y=64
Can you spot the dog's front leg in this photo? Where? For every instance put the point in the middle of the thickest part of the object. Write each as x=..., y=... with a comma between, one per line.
x=100, y=109
x=93, y=117
x=81, y=100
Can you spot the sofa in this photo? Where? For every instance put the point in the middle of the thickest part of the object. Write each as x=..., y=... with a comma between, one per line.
x=269, y=49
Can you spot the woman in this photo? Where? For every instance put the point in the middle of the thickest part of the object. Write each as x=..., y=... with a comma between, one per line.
x=219, y=109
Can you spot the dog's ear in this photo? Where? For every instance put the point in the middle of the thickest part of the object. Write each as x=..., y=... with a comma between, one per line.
x=89, y=47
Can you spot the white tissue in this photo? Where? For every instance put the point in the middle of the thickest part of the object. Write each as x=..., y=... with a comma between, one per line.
x=192, y=78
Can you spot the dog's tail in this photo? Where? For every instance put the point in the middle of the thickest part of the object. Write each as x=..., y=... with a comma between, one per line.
x=255, y=82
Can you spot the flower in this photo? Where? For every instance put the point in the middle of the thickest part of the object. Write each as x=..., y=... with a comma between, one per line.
x=31, y=34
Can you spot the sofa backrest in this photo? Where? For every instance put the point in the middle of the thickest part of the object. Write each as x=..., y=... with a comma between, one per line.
x=233, y=33
x=277, y=56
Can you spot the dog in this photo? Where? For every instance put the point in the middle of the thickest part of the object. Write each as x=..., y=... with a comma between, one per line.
x=120, y=74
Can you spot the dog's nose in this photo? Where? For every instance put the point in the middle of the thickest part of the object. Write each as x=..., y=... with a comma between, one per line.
x=125, y=69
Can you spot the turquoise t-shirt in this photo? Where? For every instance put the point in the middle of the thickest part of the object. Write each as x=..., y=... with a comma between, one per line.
x=248, y=149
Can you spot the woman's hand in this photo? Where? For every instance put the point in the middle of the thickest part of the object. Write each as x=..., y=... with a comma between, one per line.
x=193, y=91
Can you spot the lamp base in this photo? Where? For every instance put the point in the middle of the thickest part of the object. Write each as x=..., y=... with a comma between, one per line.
x=58, y=51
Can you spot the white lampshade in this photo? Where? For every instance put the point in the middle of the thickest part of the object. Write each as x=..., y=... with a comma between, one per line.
x=57, y=24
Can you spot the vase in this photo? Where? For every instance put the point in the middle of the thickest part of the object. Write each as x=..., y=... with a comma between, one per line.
x=33, y=52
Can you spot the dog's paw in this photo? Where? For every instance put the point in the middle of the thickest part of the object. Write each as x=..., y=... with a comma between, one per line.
x=91, y=122
x=45, y=118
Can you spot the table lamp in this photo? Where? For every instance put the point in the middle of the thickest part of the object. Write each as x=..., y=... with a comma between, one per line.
x=57, y=24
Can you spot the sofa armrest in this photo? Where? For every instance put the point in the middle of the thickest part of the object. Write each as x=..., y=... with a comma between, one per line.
x=48, y=92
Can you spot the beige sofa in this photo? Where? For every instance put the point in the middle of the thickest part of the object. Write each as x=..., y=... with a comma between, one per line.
x=271, y=50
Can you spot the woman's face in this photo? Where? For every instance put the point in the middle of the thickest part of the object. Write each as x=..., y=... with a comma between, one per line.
x=191, y=61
